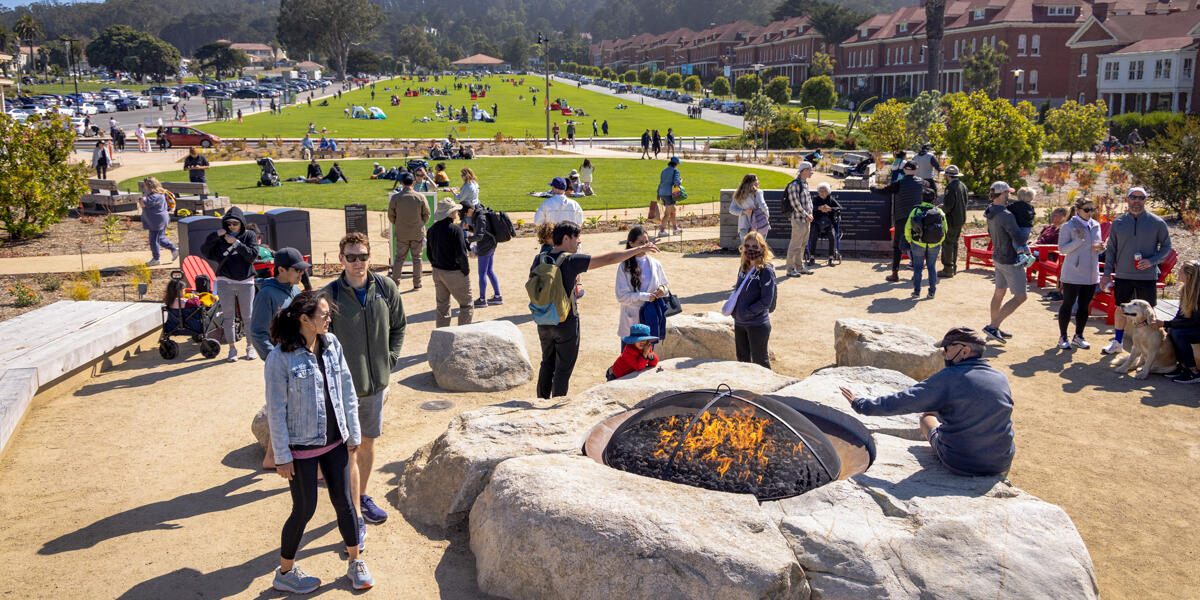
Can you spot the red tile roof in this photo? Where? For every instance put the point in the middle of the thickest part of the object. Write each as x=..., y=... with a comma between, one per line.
x=1157, y=45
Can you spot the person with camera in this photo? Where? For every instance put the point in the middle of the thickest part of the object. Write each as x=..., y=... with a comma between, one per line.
x=234, y=248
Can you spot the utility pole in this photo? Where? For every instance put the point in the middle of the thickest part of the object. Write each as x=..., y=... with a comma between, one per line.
x=545, y=44
x=74, y=71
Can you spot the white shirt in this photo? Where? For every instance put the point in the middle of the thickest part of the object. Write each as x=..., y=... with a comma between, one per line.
x=631, y=300
x=558, y=208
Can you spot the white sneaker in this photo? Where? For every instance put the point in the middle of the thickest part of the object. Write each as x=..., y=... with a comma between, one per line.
x=153, y=262
x=793, y=273
x=1114, y=347
x=1063, y=344
x=250, y=353
x=1080, y=343
x=232, y=354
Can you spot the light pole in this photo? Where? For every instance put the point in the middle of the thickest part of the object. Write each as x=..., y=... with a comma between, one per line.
x=74, y=72
x=1016, y=77
x=545, y=44
x=758, y=67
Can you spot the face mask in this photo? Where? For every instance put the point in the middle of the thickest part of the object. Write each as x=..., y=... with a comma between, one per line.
x=949, y=363
x=753, y=254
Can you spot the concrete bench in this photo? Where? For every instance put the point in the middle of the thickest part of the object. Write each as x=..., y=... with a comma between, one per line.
x=385, y=152
x=195, y=198
x=44, y=346
x=849, y=160
x=106, y=197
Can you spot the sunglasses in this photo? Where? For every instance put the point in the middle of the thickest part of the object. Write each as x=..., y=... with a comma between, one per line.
x=1135, y=197
x=1087, y=210
x=356, y=257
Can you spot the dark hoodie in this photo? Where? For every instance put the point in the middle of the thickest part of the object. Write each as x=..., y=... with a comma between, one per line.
x=234, y=261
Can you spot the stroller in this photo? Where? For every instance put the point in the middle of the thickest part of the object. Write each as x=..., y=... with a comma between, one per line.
x=201, y=323
x=269, y=176
x=829, y=226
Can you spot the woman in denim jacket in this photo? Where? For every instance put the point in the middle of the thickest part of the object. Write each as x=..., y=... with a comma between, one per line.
x=312, y=411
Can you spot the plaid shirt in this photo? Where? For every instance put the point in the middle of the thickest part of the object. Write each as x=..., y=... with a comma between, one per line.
x=799, y=198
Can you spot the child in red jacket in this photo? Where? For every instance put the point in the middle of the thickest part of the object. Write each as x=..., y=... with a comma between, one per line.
x=637, y=354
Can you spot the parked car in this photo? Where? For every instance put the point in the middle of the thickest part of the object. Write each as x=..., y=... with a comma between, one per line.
x=105, y=106
x=125, y=104
x=141, y=101
x=190, y=136
x=164, y=99
x=87, y=108
x=78, y=126
x=20, y=114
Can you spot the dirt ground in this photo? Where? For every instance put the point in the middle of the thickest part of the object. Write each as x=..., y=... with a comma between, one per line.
x=144, y=482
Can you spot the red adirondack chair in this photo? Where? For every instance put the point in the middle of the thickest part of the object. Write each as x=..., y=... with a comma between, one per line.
x=1104, y=301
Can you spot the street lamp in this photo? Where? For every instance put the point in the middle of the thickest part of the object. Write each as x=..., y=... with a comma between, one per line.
x=74, y=71
x=758, y=67
x=1016, y=77
x=545, y=44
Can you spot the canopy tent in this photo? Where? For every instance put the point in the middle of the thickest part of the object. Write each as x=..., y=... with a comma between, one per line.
x=479, y=61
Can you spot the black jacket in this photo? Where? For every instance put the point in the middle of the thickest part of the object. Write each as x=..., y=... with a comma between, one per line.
x=485, y=242
x=314, y=170
x=234, y=261
x=906, y=195
x=448, y=247
x=1182, y=322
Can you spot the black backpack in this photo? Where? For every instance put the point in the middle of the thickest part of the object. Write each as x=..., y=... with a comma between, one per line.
x=500, y=226
x=786, y=205
x=927, y=225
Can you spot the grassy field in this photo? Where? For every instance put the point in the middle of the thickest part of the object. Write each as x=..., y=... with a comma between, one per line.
x=505, y=182
x=518, y=118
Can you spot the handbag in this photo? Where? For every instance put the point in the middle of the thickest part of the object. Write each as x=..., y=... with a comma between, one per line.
x=653, y=216
x=760, y=222
x=678, y=193
x=673, y=307
x=731, y=303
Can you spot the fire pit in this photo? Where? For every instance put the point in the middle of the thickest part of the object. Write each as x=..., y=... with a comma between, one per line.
x=735, y=442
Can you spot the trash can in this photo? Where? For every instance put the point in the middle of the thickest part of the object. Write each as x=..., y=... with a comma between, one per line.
x=193, y=231
x=263, y=223
x=289, y=227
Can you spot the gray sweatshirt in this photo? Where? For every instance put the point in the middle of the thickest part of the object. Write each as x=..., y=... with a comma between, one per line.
x=1002, y=227
x=1145, y=233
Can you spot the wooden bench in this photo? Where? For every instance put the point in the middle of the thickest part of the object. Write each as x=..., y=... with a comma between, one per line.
x=106, y=197
x=849, y=160
x=195, y=198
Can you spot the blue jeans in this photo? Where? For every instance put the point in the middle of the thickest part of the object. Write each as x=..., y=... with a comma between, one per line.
x=924, y=258
x=159, y=238
x=485, y=274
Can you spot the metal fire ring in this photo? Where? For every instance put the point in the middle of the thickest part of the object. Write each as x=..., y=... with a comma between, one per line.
x=436, y=405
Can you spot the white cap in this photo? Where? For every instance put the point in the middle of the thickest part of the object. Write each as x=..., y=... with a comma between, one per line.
x=802, y=166
x=1137, y=189
x=1001, y=186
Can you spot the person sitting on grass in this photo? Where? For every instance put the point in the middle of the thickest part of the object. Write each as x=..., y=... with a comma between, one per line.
x=378, y=171
x=315, y=174
x=971, y=400
x=440, y=178
x=334, y=175
x=637, y=353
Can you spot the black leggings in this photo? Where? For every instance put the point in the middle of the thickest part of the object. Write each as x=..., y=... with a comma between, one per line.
x=335, y=464
x=1072, y=292
x=899, y=243
x=750, y=342
x=560, y=349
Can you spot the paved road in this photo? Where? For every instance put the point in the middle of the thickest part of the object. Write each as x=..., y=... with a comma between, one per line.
x=707, y=115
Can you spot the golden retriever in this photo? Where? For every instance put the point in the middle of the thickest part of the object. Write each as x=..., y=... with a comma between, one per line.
x=1149, y=348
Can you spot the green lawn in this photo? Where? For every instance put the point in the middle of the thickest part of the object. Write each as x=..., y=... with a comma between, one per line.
x=504, y=182
x=827, y=116
x=518, y=117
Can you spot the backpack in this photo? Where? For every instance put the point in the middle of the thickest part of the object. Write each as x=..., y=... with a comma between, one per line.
x=335, y=289
x=548, y=299
x=786, y=205
x=927, y=225
x=500, y=226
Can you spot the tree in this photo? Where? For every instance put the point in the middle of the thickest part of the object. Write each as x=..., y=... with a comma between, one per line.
x=645, y=77
x=630, y=76
x=361, y=60
x=38, y=182
x=925, y=112
x=608, y=73
x=981, y=69
x=412, y=46
x=1075, y=127
x=122, y=48
x=779, y=90
x=485, y=47
x=221, y=58
x=746, y=86
x=1169, y=166
x=819, y=93
x=720, y=86
x=935, y=30
x=691, y=84
x=887, y=129
x=659, y=79
x=835, y=21
x=822, y=64
x=328, y=26
x=760, y=111
x=674, y=81
x=991, y=140
x=27, y=28
x=516, y=52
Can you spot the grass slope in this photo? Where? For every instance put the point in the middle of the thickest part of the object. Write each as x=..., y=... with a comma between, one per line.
x=518, y=117
x=504, y=182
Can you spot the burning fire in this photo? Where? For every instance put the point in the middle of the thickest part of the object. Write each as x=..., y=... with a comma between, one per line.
x=722, y=439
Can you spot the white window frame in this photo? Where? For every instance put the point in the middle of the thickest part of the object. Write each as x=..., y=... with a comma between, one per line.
x=1020, y=83
x=1187, y=67
x=1035, y=45
x=978, y=14
x=956, y=49
x=973, y=47
x=888, y=60
x=1061, y=11
x=902, y=27
x=1033, y=81
x=1021, y=45
x=1082, y=98
x=1112, y=71
x=1083, y=65
x=1137, y=70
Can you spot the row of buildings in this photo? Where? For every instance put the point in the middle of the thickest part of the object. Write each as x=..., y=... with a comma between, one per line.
x=1137, y=55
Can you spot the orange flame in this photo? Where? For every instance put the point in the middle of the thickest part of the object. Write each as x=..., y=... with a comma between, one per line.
x=722, y=439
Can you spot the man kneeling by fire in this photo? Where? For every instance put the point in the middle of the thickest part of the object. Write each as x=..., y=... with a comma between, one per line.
x=966, y=408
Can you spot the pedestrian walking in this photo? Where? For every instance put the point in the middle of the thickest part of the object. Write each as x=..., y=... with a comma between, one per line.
x=755, y=298
x=646, y=144
x=641, y=288
x=656, y=143
x=483, y=245
x=670, y=190
x=407, y=212
x=239, y=115
x=451, y=266
x=313, y=423
x=954, y=204
x=369, y=319
x=101, y=160
x=1137, y=243
x=1009, y=275
x=160, y=137
x=196, y=166
x=798, y=208
x=140, y=134
x=604, y=127
x=927, y=166
x=925, y=232
x=671, y=141
x=1080, y=244
x=234, y=249
x=595, y=128
x=156, y=217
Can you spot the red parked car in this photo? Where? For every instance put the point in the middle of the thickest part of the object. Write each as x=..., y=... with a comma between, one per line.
x=190, y=136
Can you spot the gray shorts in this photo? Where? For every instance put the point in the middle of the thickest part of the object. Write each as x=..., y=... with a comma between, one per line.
x=370, y=413
x=667, y=200
x=1011, y=277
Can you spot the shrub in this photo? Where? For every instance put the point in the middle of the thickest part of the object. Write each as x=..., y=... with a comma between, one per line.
x=1075, y=127
x=139, y=272
x=674, y=81
x=780, y=90
x=991, y=140
x=659, y=78
x=746, y=86
x=25, y=295
x=784, y=138
x=79, y=290
x=720, y=86
x=1169, y=167
x=92, y=276
x=38, y=181
x=49, y=281
x=1149, y=125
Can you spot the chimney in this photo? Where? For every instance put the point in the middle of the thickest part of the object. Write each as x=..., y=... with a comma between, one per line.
x=1100, y=11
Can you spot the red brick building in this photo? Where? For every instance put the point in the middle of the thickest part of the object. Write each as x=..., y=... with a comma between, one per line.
x=785, y=47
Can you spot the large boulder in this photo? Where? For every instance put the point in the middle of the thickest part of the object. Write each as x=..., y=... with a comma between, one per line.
x=699, y=335
x=481, y=357
x=440, y=482
x=823, y=387
x=260, y=428
x=909, y=529
x=549, y=527
x=903, y=348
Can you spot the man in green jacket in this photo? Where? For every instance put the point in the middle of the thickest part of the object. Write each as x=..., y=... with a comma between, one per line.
x=369, y=322
x=954, y=204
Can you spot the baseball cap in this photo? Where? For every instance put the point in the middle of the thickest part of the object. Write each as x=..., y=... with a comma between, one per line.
x=558, y=183
x=290, y=258
x=802, y=166
x=1134, y=190
x=674, y=160
x=908, y=164
x=1001, y=186
x=961, y=335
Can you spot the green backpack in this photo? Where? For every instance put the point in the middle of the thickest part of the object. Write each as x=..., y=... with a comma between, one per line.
x=548, y=299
